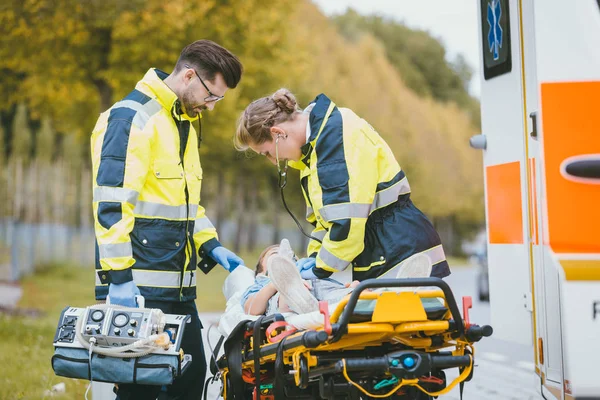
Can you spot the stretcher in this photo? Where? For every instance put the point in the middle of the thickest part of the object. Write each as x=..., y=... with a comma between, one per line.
x=379, y=342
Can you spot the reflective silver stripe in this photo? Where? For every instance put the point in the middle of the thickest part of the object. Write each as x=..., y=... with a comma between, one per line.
x=165, y=279
x=201, y=224
x=112, y=250
x=436, y=254
x=149, y=209
x=143, y=111
x=193, y=210
x=319, y=234
x=108, y=193
x=188, y=278
x=345, y=210
x=390, y=195
x=309, y=212
x=361, y=210
x=332, y=261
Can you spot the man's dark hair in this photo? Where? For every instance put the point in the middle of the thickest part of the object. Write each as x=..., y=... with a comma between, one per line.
x=209, y=58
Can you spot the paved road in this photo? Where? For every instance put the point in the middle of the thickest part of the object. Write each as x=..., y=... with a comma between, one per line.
x=503, y=371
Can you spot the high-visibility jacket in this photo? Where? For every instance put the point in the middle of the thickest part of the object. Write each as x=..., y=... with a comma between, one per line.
x=358, y=199
x=149, y=224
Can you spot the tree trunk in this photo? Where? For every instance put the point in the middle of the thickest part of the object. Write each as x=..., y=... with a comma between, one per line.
x=105, y=92
x=445, y=228
x=102, y=49
x=18, y=188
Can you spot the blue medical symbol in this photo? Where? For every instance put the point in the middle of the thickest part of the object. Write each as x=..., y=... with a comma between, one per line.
x=494, y=12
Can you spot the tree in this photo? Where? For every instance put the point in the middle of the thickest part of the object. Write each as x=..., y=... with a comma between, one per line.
x=21, y=137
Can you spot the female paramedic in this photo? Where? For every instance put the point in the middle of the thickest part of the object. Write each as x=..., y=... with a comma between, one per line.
x=357, y=196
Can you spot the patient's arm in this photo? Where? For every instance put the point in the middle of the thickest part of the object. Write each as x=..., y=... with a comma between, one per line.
x=257, y=303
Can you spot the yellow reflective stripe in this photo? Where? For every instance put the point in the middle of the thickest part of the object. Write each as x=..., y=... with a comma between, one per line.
x=114, y=250
x=108, y=193
x=332, y=261
x=390, y=195
x=436, y=255
x=201, y=224
x=374, y=264
x=157, y=210
x=159, y=279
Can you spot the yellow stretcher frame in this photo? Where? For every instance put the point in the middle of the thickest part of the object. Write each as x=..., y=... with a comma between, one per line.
x=398, y=319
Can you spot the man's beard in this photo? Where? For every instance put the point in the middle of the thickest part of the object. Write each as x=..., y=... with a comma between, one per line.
x=189, y=107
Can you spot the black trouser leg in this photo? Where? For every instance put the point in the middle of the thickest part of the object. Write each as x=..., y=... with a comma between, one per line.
x=190, y=385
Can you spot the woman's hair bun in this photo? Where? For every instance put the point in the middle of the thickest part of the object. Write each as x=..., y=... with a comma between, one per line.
x=285, y=100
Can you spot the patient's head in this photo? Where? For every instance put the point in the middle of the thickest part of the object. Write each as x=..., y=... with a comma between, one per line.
x=261, y=265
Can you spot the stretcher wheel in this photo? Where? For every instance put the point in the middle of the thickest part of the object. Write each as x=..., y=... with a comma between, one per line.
x=303, y=372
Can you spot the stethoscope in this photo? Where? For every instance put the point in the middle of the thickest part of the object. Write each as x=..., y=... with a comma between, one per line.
x=282, y=167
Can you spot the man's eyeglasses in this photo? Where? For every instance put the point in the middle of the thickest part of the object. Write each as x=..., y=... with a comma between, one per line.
x=211, y=96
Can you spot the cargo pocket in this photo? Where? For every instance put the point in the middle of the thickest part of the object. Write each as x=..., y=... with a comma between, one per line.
x=163, y=245
x=153, y=369
x=373, y=254
x=154, y=374
x=71, y=363
x=333, y=175
x=167, y=170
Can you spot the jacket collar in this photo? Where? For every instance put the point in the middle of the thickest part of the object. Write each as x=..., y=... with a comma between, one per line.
x=315, y=119
x=153, y=82
x=317, y=114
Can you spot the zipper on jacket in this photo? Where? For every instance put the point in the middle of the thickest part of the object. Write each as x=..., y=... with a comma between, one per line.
x=187, y=203
x=311, y=204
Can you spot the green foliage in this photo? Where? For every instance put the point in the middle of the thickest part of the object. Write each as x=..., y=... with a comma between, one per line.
x=417, y=56
x=67, y=60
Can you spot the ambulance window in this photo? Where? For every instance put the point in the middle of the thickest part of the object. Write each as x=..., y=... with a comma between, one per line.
x=495, y=26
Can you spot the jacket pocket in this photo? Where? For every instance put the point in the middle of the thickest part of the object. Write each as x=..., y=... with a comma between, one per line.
x=333, y=175
x=167, y=170
x=160, y=238
x=198, y=173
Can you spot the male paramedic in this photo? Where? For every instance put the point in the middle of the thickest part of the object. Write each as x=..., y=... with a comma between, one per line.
x=151, y=231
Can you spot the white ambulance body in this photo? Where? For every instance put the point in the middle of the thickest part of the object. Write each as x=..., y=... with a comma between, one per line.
x=540, y=107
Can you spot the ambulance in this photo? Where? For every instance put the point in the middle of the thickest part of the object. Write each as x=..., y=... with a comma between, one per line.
x=540, y=108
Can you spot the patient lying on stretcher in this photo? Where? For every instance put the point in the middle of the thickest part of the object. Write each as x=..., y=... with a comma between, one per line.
x=278, y=287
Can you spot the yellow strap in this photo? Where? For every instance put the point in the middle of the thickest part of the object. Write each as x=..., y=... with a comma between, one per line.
x=377, y=396
x=412, y=382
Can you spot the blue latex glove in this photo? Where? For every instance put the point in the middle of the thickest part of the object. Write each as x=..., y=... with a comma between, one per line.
x=308, y=274
x=306, y=263
x=227, y=258
x=123, y=294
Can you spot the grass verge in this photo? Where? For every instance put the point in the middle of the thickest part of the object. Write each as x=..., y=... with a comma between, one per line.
x=26, y=348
